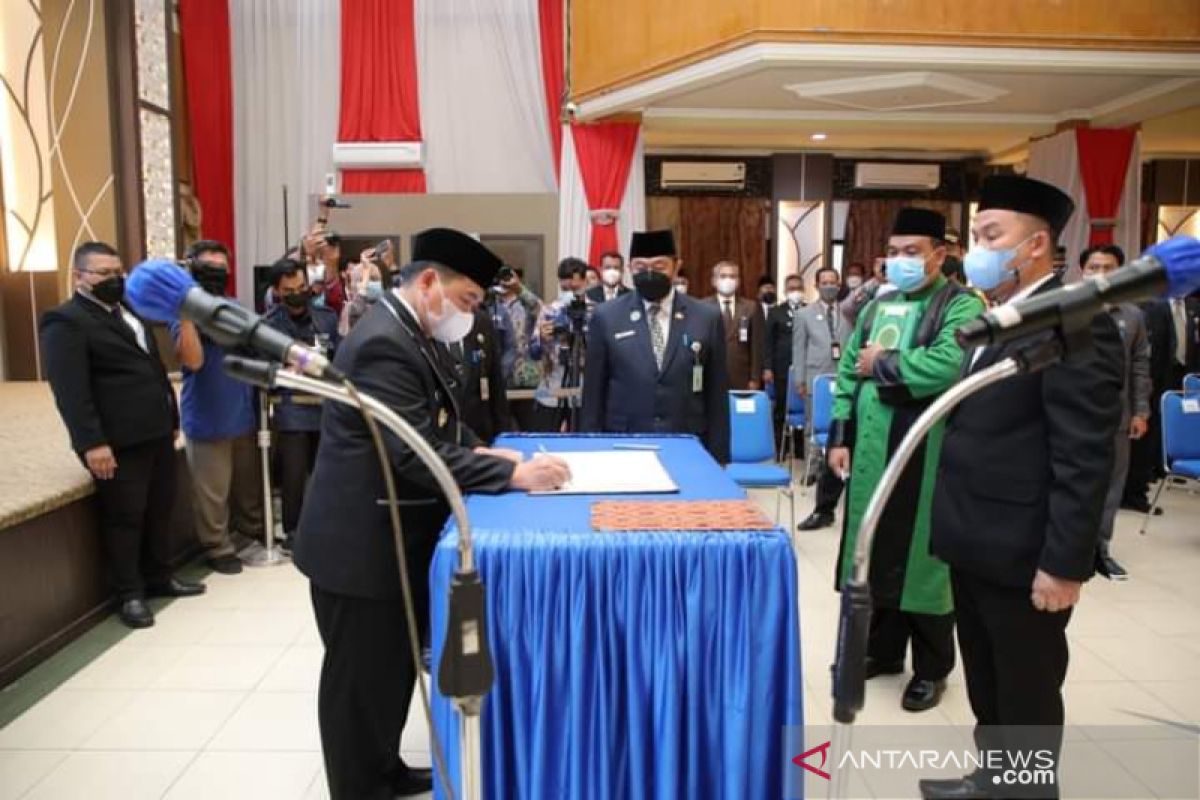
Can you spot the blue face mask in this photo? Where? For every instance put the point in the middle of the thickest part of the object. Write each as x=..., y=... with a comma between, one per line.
x=374, y=290
x=906, y=273
x=988, y=269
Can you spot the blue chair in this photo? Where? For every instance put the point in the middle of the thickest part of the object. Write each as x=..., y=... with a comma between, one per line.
x=1191, y=383
x=752, y=448
x=793, y=420
x=1180, y=443
x=822, y=419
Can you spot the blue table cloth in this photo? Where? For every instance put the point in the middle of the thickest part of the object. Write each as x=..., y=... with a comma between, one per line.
x=660, y=664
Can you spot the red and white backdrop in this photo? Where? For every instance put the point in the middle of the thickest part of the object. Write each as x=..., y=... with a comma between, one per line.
x=1100, y=168
x=273, y=85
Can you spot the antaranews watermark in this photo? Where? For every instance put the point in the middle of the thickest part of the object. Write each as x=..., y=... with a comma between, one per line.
x=1104, y=762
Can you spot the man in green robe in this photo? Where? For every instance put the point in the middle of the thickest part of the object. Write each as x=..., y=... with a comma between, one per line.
x=901, y=356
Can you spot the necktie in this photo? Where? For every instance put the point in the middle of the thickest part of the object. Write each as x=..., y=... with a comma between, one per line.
x=657, y=340
x=829, y=317
x=728, y=311
x=1180, y=319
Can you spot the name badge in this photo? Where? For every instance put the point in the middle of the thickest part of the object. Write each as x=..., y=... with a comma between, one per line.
x=697, y=378
x=744, y=330
x=485, y=392
x=837, y=351
x=623, y=335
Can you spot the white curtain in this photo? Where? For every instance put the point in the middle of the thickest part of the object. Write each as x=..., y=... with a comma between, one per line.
x=633, y=203
x=1128, y=234
x=286, y=79
x=574, y=220
x=483, y=108
x=1055, y=160
x=574, y=224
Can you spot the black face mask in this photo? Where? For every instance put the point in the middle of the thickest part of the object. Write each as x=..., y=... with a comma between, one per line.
x=652, y=285
x=212, y=279
x=110, y=290
x=297, y=301
x=769, y=298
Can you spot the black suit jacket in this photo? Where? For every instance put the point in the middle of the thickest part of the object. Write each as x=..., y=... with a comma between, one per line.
x=344, y=539
x=596, y=293
x=623, y=391
x=1026, y=464
x=777, y=352
x=107, y=388
x=475, y=364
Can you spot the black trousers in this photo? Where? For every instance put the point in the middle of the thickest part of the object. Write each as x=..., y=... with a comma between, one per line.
x=1015, y=660
x=367, y=681
x=135, y=516
x=524, y=414
x=296, y=452
x=932, y=637
x=829, y=490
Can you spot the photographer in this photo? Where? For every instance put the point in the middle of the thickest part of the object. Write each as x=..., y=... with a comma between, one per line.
x=219, y=419
x=515, y=312
x=366, y=285
x=561, y=343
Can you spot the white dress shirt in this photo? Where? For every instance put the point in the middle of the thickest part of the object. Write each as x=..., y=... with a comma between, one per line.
x=135, y=324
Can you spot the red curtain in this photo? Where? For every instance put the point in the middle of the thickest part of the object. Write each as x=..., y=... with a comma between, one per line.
x=1103, y=163
x=605, y=154
x=550, y=25
x=383, y=181
x=207, y=69
x=379, y=88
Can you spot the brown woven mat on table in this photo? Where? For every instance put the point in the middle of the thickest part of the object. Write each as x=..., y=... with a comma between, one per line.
x=668, y=515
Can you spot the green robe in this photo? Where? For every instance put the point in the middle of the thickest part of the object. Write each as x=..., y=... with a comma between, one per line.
x=903, y=573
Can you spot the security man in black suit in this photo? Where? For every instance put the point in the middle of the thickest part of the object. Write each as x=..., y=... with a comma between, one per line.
x=656, y=358
x=1025, y=467
x=777, y=347
x=344, y=542
x=476, y=368
x=120, y=410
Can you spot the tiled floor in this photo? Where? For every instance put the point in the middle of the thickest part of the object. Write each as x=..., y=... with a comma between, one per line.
x=218, y=699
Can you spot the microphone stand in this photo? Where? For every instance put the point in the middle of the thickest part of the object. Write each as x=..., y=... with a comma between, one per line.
x=854, y=620
x=465, y=673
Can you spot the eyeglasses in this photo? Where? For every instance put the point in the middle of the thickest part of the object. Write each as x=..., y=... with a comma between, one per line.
x=105, y=273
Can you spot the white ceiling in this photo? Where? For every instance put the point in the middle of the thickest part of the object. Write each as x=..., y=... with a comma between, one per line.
x=979, y=101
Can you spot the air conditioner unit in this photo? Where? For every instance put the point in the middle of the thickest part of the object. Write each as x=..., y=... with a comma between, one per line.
x=911, y=177
x=716, y=175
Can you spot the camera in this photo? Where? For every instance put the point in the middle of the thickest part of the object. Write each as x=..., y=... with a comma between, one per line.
x=572, y=317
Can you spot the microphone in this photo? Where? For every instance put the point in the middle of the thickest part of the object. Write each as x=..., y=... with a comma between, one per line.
x=160, y=291
x=1171, y=268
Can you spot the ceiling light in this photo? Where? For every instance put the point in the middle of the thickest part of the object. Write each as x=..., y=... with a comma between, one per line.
x=818, y=137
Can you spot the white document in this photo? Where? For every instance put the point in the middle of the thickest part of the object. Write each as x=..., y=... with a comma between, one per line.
x=615, y=472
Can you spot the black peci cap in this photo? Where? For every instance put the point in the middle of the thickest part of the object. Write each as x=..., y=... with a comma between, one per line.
x=919, y=222
x=458, y=251
x=652, y=244
x=1028, y=196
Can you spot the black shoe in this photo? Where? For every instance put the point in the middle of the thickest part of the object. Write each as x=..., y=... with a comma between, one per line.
x=922, y=695
x=176, y=588
x=816, y=521
x=875, y=668
x=1140, y=506
x=413, y=781
x=1111, y=569
x=968, y=788
x=136, y=614
x=226, y=565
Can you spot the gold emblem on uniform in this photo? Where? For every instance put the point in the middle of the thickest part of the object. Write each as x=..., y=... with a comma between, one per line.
x=443, y=417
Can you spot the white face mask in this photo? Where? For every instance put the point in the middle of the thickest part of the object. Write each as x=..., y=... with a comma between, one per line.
x=316, y=274
x=795, y=298
x=453, y=324
x=611, y=277
x=681, y=288
x=853, y=281
x=726, y=286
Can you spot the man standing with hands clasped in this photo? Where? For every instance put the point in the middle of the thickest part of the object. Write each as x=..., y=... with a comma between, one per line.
x=1025, y=467
x=344, y=542
x=900, y=357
